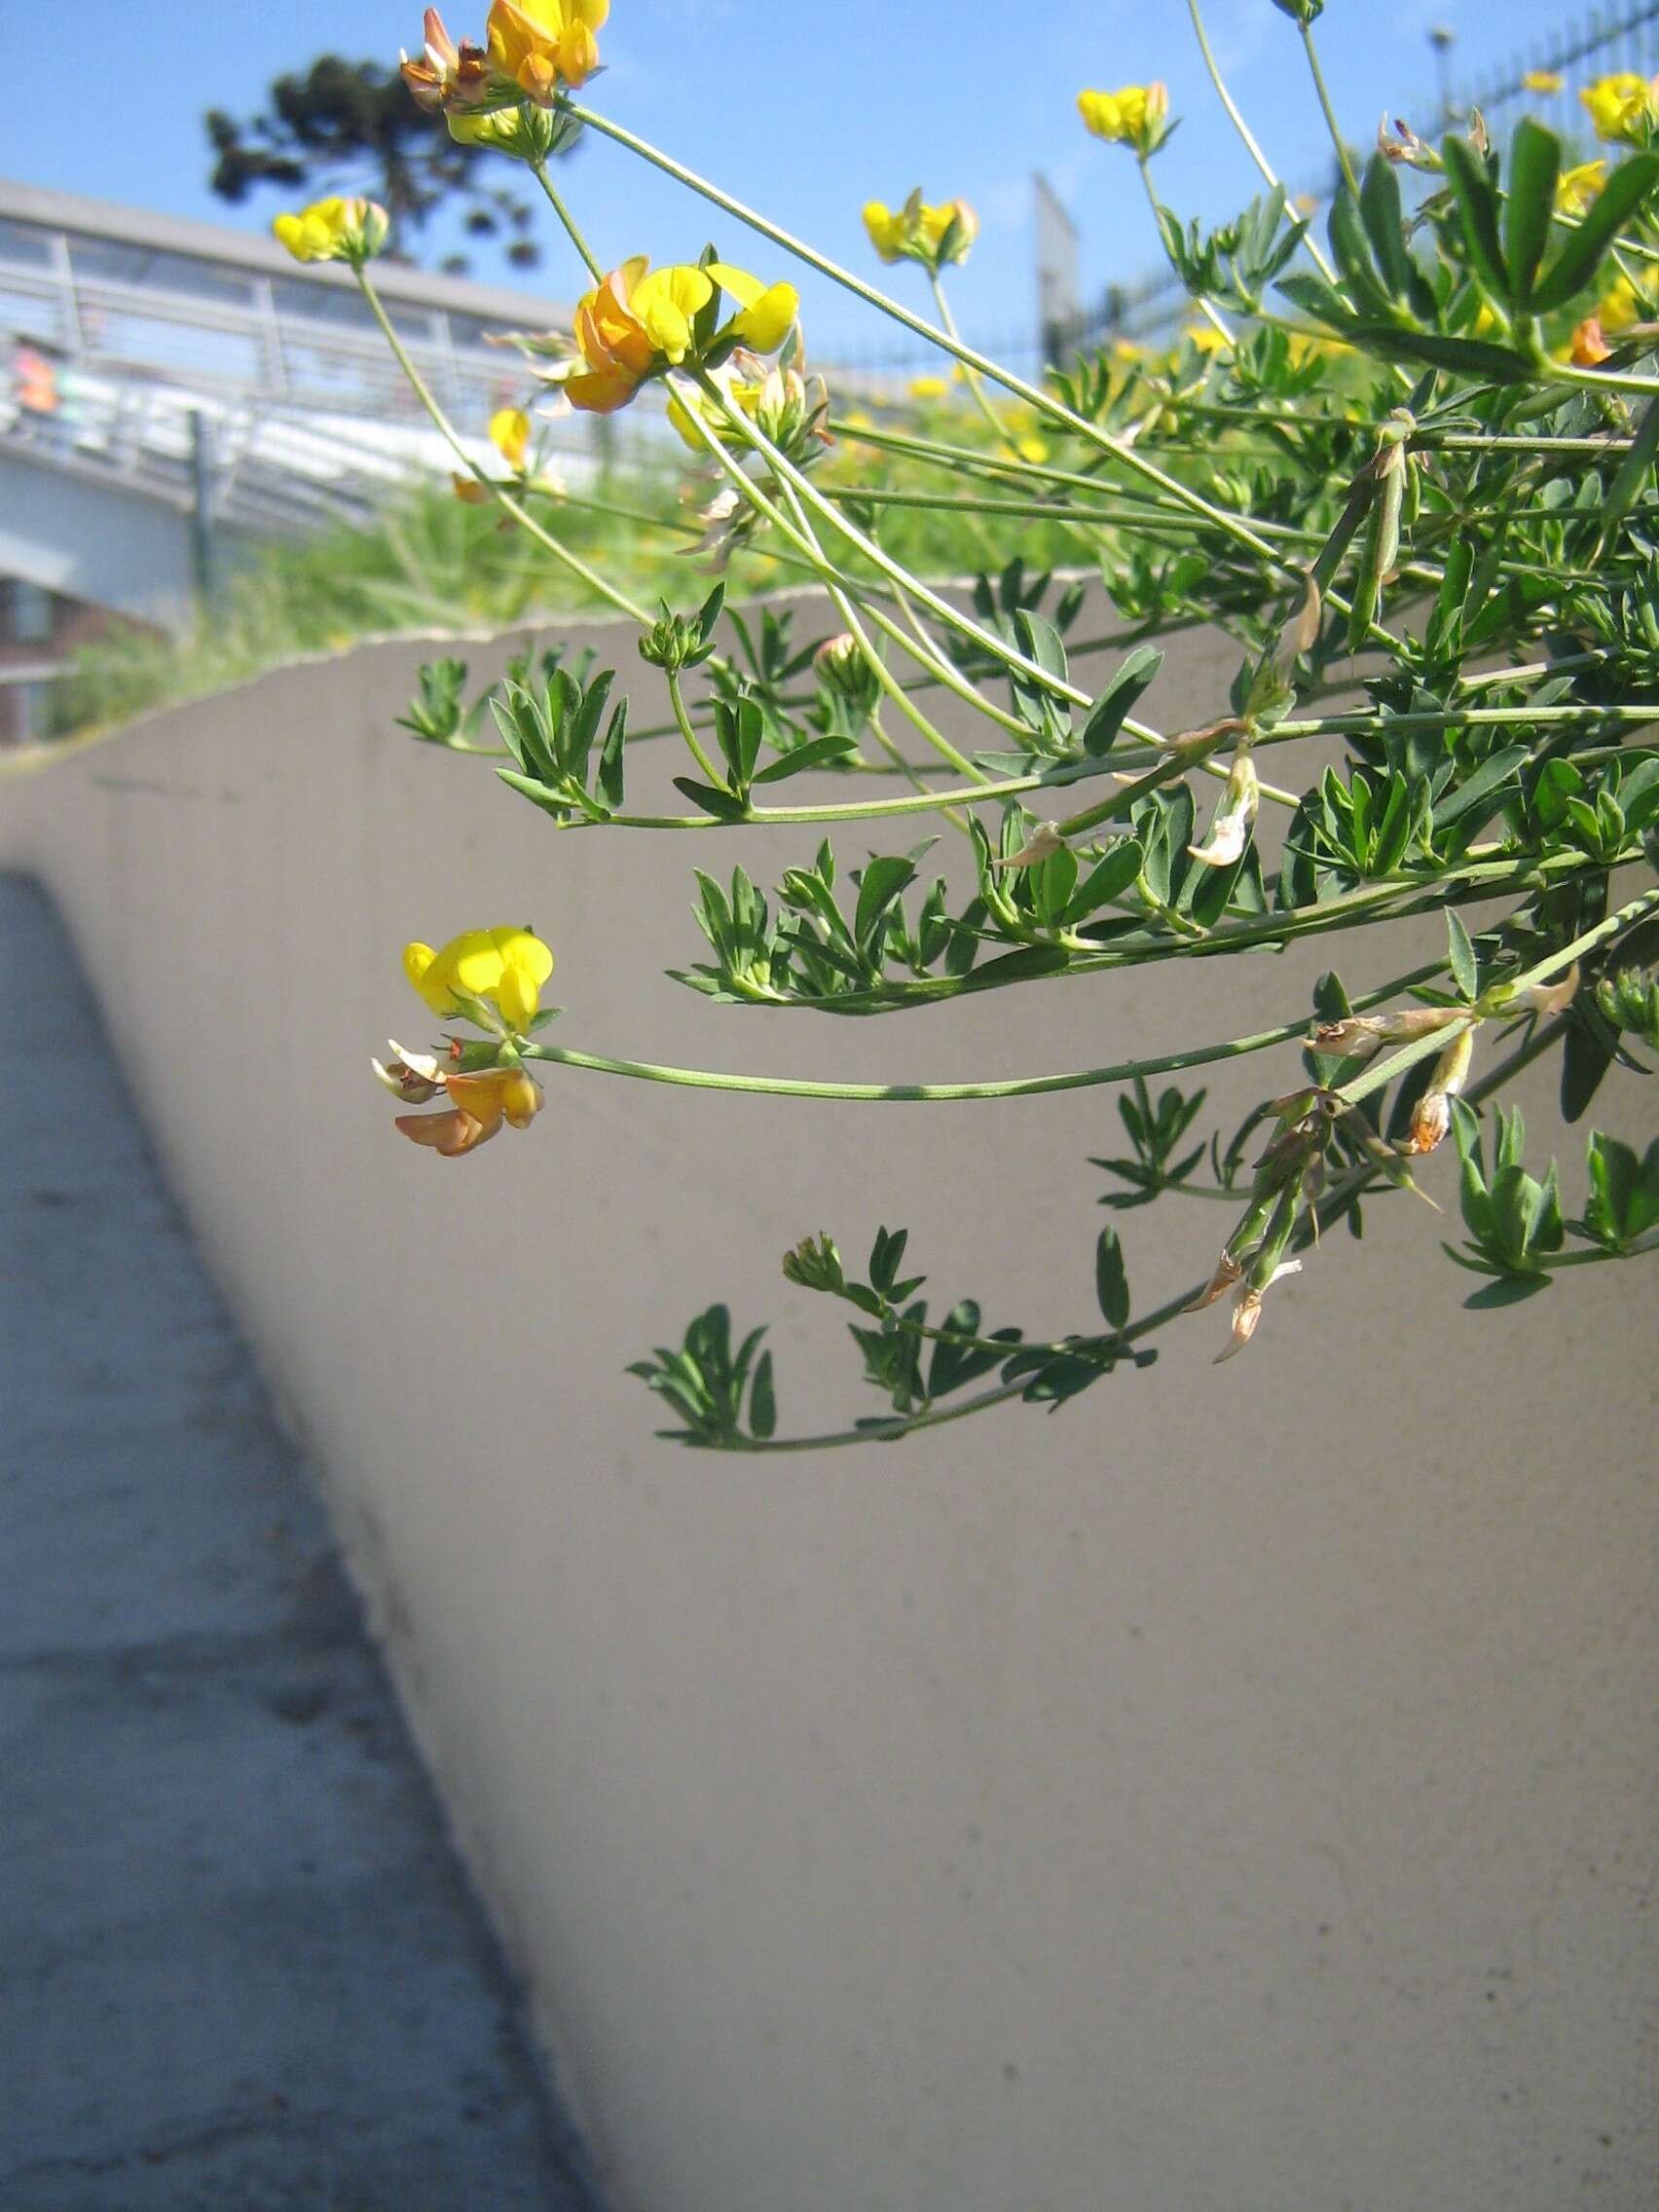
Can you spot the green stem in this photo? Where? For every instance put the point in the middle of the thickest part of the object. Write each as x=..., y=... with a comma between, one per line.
x=1264, y=166
x=974, y=384
x=800, y=534
x=538, y=169
x=510, y=505
x=942, y=1093
x=677, y=700
x=784, y=470
x=1046, y=404
x=1331, y=124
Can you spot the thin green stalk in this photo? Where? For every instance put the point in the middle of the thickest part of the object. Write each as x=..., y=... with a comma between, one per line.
x=993, y=371
x=677, y=700
x=936, y=1093
x=538, y=169
x=784, y=470
x=802, y=535
x=1264, y=166
x=974, y=384
x=888, y=681
x=1343, y=158
x=504, y=500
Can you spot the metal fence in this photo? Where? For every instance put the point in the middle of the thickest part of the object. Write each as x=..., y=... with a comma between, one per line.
x=1598, y=42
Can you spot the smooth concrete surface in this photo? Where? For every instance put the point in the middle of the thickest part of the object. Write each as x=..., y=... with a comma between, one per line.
x=240, y=1966
x=1231, y=1792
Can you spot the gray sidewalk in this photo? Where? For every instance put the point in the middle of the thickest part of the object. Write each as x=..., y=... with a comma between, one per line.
x=240, y=1967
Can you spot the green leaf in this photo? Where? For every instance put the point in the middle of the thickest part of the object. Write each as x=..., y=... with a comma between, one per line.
x=1353, y=259
x=1109, y=877
x=1469, y=356
x=608, y=780
x=1382, y=216
x=1461, y=957
x=1534, y=165
x=1633, y=472
x=1111, y=1281
x=721, y=804
x=1487, y=779
x=1477, y=203
x=882, y=881
x=1128, y=680
x=1577, y=263
x=818, y=753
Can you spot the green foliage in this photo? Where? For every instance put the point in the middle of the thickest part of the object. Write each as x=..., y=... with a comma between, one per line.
x=1428, y=533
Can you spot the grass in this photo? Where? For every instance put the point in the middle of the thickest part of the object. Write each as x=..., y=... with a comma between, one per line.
x=430, y=562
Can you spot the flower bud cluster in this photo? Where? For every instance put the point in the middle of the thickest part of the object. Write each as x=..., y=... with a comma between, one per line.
x=335, y=230
x=936, y=236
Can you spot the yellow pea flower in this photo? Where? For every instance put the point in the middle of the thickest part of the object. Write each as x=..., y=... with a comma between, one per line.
x=504, y=966
x=1543, y=81
x=333, y=230
x=509, y=434
x=479, y=1103
x=1589, y=349
x=639, y=321
x=1578, y=187
x=1621, y=108
x=929, y=387
x=934, y=235
x=1619, y=306
x=765, y=313
x=540, y=45
x=1135, y=115
x=1204, y=338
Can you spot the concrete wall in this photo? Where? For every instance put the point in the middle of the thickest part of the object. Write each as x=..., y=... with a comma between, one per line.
x=1231, y=1793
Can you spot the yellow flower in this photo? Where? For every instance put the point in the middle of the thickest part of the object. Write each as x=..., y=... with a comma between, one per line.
x=1135, y=115
x=929, y=387
x=1542, y=80
x=509, y=434
x=1204, y=338
x=333, y=230
x=1619, y=306
x=1590, y=348
x=934, y=235
x=1621, y=108
x=765, y=312
x=638, y=323
x=478, y=1105
x=539, y=45
x=1577, y=188
x=504, y=966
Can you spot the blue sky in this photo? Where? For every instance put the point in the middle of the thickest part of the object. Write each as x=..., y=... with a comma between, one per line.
x=806, y=111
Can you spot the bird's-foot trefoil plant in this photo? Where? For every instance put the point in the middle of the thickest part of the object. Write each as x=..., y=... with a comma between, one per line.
x=1402, y=458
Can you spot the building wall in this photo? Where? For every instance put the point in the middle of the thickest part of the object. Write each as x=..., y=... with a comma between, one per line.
x=1233, y=1792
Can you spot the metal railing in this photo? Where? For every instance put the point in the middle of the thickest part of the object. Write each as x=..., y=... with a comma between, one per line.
x=1148, y=307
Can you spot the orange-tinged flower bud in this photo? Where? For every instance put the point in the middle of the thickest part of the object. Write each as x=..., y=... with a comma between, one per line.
x=1432, y=1117
x=1362, y=1033
x=446, y=77
x=1590, y=348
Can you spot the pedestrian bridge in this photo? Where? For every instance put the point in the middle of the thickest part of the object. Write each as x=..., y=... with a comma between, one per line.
x=175, y=388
